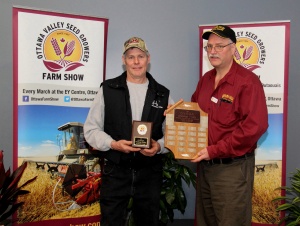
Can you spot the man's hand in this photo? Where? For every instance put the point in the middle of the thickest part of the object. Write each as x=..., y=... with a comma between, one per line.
x=203, y=154
x=123, y=146
x=155, y=147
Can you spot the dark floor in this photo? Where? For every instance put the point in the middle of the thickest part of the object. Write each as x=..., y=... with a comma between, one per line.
x=182, y=222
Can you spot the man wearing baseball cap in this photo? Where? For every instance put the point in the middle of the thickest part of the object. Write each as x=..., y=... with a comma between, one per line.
x=129, y=172
x=234, y=99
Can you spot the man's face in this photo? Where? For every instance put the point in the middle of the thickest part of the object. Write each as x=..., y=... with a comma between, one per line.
x=136, y=62
x=223, y=58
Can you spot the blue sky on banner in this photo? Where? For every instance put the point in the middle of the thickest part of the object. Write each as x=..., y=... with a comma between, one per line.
x=37, y=128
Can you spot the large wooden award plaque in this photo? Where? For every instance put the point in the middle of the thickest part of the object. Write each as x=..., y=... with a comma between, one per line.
x=186, y=129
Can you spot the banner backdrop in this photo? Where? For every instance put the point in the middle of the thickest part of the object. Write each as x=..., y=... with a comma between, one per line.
x=263, y=47
x=58, y=66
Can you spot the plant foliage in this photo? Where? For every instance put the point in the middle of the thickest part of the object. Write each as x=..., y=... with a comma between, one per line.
x=291, y=202
x=9, y=190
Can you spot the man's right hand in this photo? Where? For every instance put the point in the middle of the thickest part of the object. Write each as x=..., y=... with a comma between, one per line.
x=123, y=146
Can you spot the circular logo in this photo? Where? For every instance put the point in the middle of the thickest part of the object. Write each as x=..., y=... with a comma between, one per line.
x=62, y=49
x=247, y=51
x=62, y=46
x=142, y=129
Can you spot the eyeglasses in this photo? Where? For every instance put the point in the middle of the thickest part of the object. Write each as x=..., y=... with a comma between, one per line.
x=217, y=48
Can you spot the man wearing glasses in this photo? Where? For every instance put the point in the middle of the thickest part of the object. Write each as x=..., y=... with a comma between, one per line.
x=234, y=99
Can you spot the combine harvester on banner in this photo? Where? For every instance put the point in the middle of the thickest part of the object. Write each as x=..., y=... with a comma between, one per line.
x=77, y=169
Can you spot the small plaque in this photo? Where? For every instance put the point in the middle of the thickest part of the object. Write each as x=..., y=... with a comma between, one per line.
x=141, y=134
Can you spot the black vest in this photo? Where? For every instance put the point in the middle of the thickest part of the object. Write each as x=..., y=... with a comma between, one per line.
x=118, y=117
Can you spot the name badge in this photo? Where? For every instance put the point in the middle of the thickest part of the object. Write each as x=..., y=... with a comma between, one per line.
x=213, y=99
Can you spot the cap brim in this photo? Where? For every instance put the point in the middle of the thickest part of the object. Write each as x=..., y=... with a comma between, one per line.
x=207, y=34
x=145, y=51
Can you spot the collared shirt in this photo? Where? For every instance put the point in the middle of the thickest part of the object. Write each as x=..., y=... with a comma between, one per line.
x=237, y=111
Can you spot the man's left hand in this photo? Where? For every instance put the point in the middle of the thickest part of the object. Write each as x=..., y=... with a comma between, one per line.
x=201, y=155
x=155, y=147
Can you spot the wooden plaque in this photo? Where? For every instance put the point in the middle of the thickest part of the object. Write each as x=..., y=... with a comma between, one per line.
x=141, y=134
x=186, y=129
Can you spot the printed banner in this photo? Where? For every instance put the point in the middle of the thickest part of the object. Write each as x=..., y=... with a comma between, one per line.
x=267, y=55
x=59, y=64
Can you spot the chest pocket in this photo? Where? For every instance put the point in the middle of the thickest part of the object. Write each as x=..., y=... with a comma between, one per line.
x=223, y=113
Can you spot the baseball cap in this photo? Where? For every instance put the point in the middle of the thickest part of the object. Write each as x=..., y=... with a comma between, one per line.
x=222, y=31
x=135, y=42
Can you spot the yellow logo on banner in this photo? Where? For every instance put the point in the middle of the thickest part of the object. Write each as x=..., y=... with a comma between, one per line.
x=62, y=47
x=250, y=50
x=246, y=53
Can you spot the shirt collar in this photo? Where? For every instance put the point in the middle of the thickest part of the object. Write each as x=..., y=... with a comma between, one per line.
x=230, y=76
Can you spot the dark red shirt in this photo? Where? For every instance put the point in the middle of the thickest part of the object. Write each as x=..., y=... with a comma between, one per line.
x=237, y=111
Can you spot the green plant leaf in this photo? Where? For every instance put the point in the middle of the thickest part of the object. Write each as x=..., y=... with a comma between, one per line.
x=284, y=207
x=182, y=202
x=292, y=200
x=296, y=200
x=166, y=174
x=170, y=197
